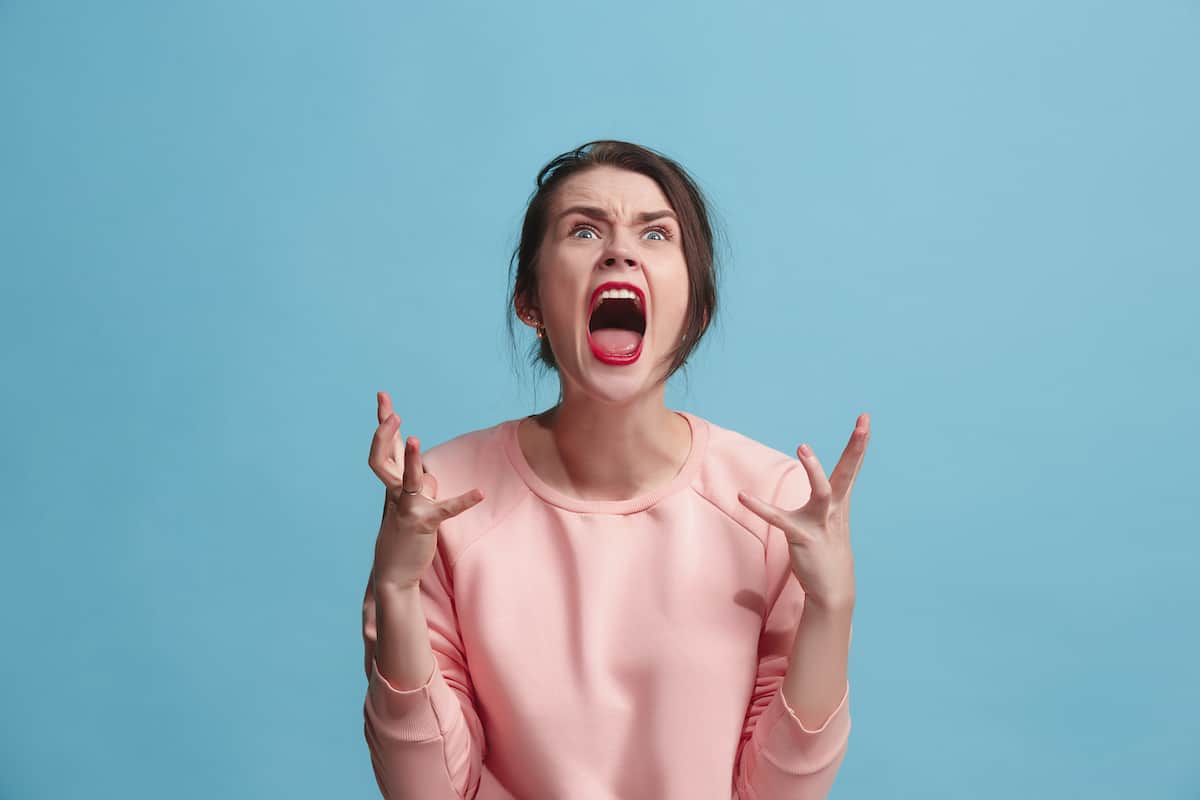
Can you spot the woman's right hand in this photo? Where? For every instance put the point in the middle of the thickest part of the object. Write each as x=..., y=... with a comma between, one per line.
x=407, y=537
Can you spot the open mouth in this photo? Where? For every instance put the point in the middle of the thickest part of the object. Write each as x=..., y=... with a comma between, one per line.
x=617, y=323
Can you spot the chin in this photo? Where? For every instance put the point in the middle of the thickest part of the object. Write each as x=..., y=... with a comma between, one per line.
x=615, y=384
x=610, y=392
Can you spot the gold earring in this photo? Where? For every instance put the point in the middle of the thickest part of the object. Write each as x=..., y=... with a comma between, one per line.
x=537, y=327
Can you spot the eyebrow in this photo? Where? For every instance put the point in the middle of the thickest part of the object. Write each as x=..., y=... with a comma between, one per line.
x=600, y=214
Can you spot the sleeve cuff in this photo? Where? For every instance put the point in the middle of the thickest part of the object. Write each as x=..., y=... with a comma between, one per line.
x=795, y=748
x=412, y=715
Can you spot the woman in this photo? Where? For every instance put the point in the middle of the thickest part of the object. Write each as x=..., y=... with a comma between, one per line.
x=610, y=599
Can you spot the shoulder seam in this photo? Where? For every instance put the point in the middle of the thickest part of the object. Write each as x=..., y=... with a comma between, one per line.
x=761, y=539
x=788, y=470
x=525, y=495
x=779, y=486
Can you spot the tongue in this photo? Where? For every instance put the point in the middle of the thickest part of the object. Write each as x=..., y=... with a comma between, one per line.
x=616, y=340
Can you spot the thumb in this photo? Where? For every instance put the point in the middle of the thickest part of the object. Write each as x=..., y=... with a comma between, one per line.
x=456, y=505
x=772, y=514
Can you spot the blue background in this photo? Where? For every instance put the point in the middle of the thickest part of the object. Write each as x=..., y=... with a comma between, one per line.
x=225, y=226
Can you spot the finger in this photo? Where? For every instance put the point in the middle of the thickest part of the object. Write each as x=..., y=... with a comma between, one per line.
x=771, y=513
x=385, y=410
x=413, y=472
x=382, y=458
x=385, y=405
x=821, y=490
x=456, y=505
x=852, y=458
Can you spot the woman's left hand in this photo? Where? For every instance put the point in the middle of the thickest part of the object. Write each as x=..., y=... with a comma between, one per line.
x=818, y=532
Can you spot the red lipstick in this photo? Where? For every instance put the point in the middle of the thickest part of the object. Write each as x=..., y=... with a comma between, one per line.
x=604, y=355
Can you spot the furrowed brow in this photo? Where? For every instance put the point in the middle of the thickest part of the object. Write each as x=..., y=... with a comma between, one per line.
x=587, y=211
x=602, y=215
x=650, y=216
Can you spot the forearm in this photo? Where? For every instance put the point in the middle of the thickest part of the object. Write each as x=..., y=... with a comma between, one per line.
x=817, y=672
x=402, y=649
x=423, y=735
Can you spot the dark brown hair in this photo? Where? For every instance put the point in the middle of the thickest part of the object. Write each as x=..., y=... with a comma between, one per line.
x=681, y=192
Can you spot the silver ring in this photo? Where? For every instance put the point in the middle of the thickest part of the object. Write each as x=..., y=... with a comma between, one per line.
x=406, y=491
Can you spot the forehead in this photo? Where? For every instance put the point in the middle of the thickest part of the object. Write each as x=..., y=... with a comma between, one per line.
x=610, y=187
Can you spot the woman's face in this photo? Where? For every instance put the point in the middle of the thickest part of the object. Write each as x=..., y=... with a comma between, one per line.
x=612, y=226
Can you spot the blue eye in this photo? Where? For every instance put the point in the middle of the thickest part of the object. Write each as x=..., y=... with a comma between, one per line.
x=663, y=234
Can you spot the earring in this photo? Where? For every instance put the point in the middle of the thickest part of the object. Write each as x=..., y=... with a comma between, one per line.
x=537, y=327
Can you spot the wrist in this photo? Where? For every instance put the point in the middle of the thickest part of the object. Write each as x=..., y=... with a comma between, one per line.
x=842, y=605
x=392, y=589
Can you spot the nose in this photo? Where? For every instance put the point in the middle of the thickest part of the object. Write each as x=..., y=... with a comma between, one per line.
x=619, y=253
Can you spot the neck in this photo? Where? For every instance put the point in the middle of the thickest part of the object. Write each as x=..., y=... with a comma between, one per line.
x=608, y=451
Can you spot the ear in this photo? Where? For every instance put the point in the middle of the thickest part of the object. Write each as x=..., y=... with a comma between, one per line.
x=525, y=310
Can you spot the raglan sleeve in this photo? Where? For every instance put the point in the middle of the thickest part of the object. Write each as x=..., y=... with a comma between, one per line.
x=778, y=757
x=424, y=743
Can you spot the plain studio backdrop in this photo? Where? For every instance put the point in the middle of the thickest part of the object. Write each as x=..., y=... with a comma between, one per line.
x=225, y=226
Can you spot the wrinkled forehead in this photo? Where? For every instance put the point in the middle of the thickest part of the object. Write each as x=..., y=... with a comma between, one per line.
x=620, y=191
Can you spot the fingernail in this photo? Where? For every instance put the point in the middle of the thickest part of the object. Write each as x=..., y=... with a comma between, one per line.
x=806, y=450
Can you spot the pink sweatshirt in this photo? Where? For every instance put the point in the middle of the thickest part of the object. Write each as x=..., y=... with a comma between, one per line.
x=592, y=650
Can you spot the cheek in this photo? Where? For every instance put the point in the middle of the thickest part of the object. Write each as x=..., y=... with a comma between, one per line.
x=676, y=314
x=677, y=292
x=560, y=304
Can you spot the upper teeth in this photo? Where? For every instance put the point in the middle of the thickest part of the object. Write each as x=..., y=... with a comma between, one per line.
x=613, y=294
